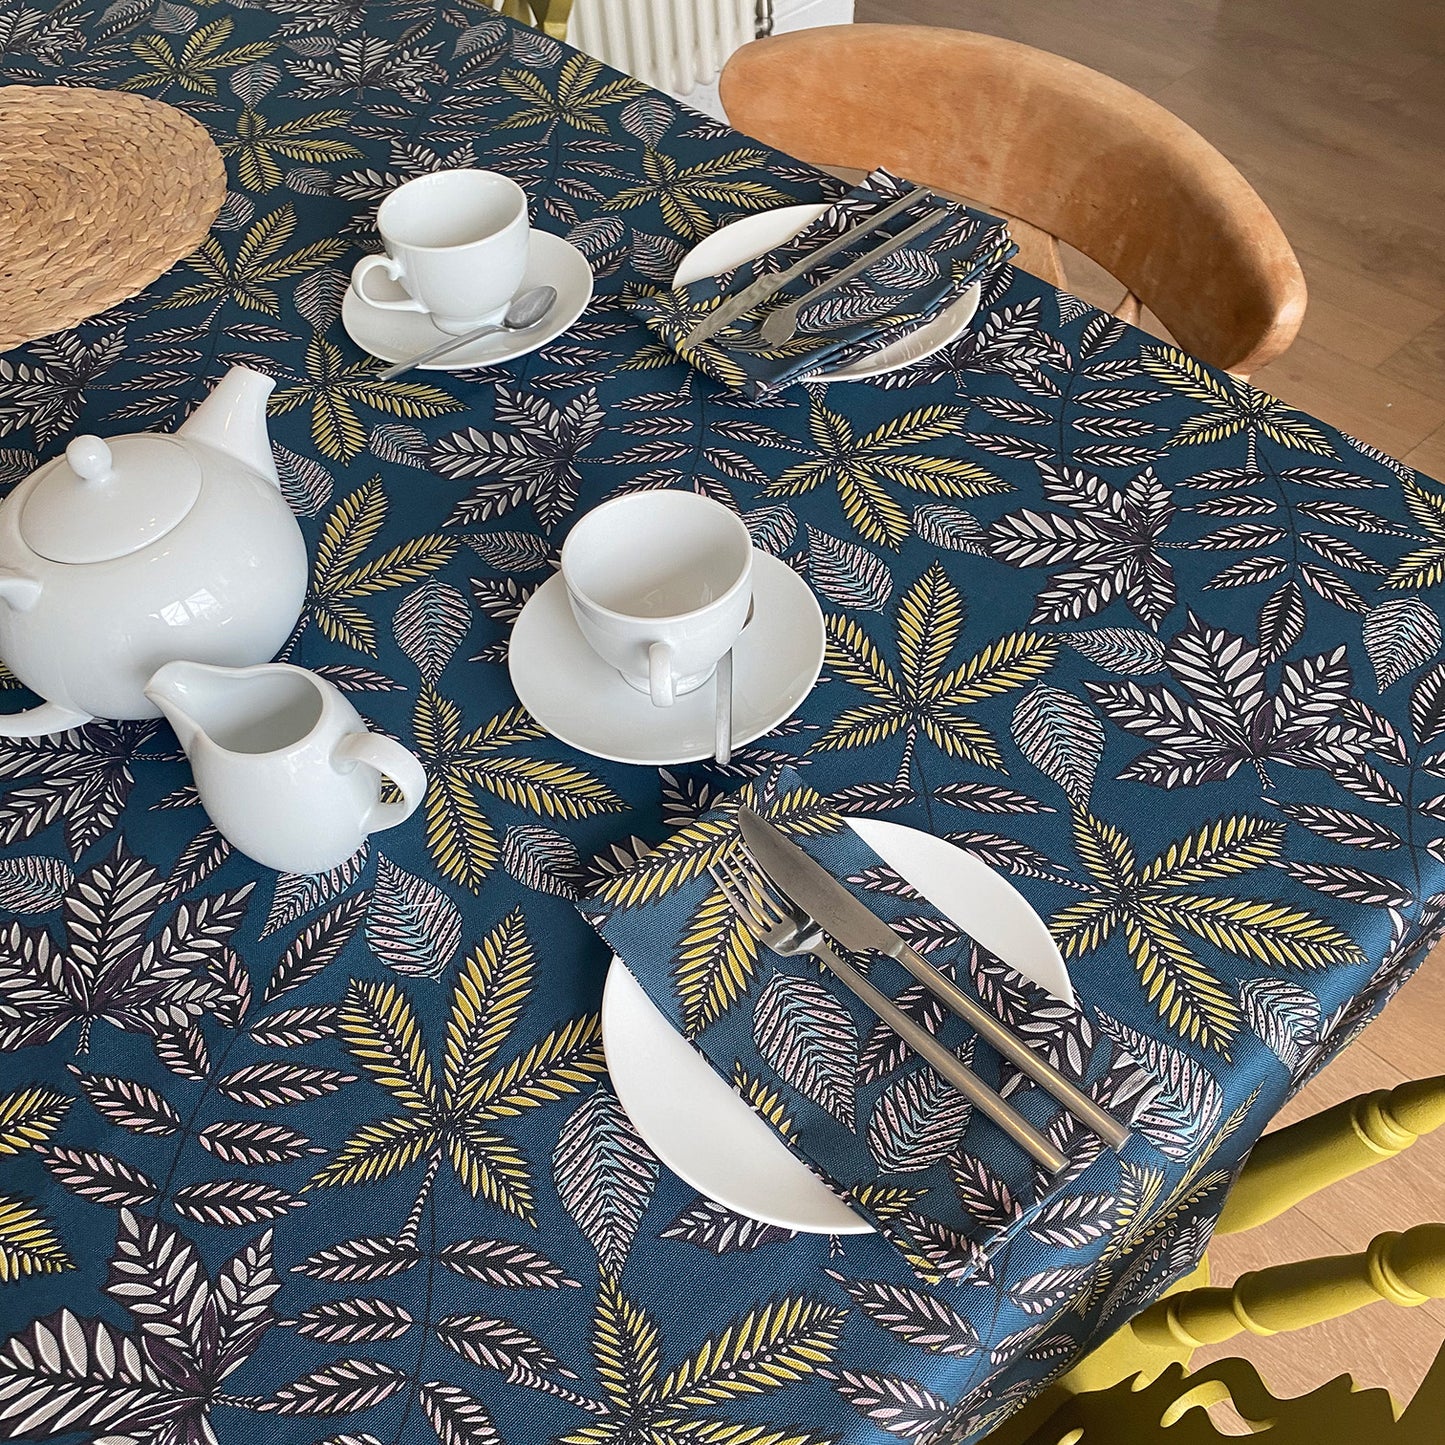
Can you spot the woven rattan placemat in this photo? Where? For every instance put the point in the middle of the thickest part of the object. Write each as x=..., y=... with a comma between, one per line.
x=100, y=193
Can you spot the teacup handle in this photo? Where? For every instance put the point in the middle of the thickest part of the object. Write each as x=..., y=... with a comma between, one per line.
x=393, y=762
x=393, y=269
x=659, y=674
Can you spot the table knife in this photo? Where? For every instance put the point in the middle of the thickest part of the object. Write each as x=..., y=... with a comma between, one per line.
x=781, y=325
x=812, y=888
x=758, y=291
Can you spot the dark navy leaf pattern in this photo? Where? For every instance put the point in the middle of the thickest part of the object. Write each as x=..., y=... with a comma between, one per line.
x=1066, y=567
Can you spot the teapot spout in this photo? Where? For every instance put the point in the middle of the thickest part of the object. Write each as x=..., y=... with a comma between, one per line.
x=233, y=420
x=170, y=688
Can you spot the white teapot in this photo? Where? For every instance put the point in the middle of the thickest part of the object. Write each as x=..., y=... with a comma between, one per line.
x=125, y=554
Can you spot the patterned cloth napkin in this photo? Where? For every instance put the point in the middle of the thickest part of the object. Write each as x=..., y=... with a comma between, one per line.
x=862, y=316
x=941, y=1181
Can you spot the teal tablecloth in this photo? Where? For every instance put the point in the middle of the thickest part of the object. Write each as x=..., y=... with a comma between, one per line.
x=1160, y=648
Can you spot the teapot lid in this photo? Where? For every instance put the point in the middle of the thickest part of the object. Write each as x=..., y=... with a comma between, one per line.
x=103, y=500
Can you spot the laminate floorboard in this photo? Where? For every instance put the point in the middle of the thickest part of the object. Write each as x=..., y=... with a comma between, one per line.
x=1335, y=111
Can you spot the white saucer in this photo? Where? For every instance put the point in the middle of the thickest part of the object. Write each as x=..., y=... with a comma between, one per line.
x=577, y=697
x=755, y=235
x=707, y=1135
x=395, y=335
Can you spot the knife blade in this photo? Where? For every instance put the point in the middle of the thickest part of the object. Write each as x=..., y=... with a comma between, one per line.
x=834, y=908
x=758, y=291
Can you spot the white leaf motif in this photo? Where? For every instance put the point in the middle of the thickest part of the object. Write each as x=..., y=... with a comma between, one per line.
x=811, y=1042
x=430, y=625
x=605, y=1176
x=1284, y=1015
x=1399, y=636
x=33, y=885
x=846, y=573
x=1060, y=735
x=917, y=1121
x=1187, y=1106
x=411, y=924
x=1120, y=649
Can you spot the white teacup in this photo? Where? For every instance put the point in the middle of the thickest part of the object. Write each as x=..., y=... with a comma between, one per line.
x=659, y=583
x=456, y=243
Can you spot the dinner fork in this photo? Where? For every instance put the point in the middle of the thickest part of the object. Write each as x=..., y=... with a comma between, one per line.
x=785, y=929
x=781, y=325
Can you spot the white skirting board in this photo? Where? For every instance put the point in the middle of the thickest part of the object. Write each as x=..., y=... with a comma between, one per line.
x=680, y=46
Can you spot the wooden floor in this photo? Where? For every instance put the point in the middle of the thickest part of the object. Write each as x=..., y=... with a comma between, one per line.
x=1335, y=111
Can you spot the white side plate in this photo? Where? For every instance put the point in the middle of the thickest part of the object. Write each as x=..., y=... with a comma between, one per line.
x=754, y=236
x=707, y=1135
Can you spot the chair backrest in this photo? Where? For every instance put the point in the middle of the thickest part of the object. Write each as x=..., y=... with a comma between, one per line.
x=1285, y=1167
x=1047, y=141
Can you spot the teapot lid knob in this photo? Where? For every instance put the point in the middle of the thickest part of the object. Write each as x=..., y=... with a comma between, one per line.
x=90, y=459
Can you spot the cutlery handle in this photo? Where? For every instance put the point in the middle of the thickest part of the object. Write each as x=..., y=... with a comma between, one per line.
x=440, y=350
x=780, y=325
x=722, y=743
x=758, y=291
x=951, y=1068
x=998, y=1035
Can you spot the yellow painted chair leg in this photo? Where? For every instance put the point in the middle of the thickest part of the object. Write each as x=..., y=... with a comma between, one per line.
x=552, y=16
x=1406, y=1269
x=1295, y=1162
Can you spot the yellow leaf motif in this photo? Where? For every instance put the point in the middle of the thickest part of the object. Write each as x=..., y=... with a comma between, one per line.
x=764, y=1100
x=764, y=1350
x=861, y=469
x=29, y=1117
x=462, y=840
x=338, y=577
x=247, y=280
x=28, y=1242
x=381, y=1030
x=28, y=1245
x=1232, y=406
x=194, y=68
x=259, y=141
x=457, y=1120
x=920, y=699
x=1424, y=566
x=686, y=194
x=716, y=962
x=490, y=994
x=574, y=100
x=1154, y=910
x=331, y=387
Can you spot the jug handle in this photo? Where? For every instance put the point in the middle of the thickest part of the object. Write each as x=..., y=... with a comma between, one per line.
x=393, y=762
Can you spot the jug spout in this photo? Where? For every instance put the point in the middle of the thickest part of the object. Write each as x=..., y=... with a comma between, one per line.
x=171, y=688
x=233, y=420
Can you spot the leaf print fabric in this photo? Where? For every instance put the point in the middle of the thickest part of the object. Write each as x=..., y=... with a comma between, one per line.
x=331, y=1160
x=884, y=302
x=901, y=1129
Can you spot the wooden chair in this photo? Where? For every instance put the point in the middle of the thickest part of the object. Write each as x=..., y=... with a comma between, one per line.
x=1135, y=1389
x=1065, y=153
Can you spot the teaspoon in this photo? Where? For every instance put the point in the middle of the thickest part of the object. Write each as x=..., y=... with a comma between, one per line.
x=525, y=312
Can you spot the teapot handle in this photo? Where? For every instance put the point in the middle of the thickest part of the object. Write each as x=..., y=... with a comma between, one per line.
x=39, y=722
x=393, y=762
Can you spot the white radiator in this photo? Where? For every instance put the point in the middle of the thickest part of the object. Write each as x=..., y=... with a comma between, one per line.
x=676, y=45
